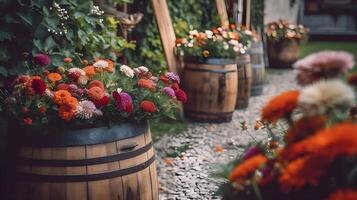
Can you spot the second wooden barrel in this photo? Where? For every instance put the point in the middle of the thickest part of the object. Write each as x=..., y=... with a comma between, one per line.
x=282, y=54
x=244, y=69
x=258, y=68
x=211, y=86
x=111, y=163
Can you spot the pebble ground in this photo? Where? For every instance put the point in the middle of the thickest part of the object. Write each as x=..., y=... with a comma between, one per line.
x=187, y=174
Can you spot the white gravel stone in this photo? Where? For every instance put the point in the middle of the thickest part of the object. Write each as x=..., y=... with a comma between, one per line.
x=189, y=175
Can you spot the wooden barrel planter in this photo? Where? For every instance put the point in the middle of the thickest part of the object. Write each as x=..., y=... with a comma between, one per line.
x=282, y=54
x=106, y=163
x=258, y=68
x=244, y=69
x=211, y=86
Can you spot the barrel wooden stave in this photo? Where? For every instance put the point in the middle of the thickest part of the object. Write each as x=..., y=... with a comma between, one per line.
x=138, y=185
x=258, y=68
x=211, y=92
x=244, y=69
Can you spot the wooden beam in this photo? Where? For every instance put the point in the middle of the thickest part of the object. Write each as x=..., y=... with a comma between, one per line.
x=246, y=13
x=167, y=33
x=222, y=12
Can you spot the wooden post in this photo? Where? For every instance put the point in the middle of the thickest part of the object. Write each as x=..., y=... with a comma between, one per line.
x=246, y=13
x=167, y=33
x=222, y=12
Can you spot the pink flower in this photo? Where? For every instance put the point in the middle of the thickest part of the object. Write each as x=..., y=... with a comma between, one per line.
x=124, y=101
x=323, y=65
x=173, y=77
x=169, y=91
x=86, y=110
x=42, y=59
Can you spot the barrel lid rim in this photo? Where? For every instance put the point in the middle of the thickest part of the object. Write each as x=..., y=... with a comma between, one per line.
x=214, y=61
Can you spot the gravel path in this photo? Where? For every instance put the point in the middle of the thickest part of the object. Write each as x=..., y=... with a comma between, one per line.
x=186, y=176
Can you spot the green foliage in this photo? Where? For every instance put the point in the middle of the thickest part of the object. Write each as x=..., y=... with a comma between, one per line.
x=258, y=13
x=64, y=28
x=185, y=15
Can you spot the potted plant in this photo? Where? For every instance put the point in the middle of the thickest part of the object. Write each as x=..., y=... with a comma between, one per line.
x=210, y=73
x=86, y=115
x=284, y=41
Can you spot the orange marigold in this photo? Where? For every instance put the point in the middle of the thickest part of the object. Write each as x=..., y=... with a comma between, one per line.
x=280, y=106
x=331, y=142
x=95, y=93
x=66, y=110
x=146, y=83
x=343, y=194
x=304, y=127
x=54, y=77
x=96, y=83
x=110, y=67
x=302, y=171
x=90, y=71
x=61, y=96
x=246, y=168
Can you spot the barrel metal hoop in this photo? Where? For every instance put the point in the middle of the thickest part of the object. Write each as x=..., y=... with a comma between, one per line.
x=87, y=177
x=208, y=113
x=210, y=71
x=84, y=162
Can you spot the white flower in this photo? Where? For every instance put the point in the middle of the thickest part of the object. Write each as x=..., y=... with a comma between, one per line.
x=82, y=80
x=209, y=33
x=101, y=64
x=143, y=69
x=225, y=45
x=193, y=32
x=76, y=70
x=236, y=49
x=127, y=71
x=119, y=90
x=248, y=32
x=325, y=96
x=242, y=51
x=190, y=44
x=233, y=42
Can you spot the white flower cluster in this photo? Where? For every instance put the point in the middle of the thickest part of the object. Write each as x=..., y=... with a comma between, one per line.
x=96, y=10
x=127, y=71
x=63, y=15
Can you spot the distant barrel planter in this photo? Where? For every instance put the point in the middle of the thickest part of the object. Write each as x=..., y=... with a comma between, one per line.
x=211, y=86
x=258, y=68
x=244, y=69
x=282, y=54
x=108, y=163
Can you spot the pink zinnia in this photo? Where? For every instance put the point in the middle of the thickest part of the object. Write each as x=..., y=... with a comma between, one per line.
x=124, y=101
x=169, y=91
x=323, y=65
x=173, y=77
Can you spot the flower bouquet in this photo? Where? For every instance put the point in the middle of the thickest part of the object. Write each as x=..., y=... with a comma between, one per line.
x=284, y=40
x=214, y=43
x=314, y=158
x=89, y=94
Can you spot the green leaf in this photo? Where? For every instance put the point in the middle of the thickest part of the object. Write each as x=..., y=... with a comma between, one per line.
x=27, y=19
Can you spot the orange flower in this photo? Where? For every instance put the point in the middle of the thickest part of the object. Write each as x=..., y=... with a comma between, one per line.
x=27, y=121
x=148, y=84
x=304, y=127
x=280, y=106
x=95, y=93
x=54, y=77
x=247, y=167
x=148, y=106
x=61, y=96
x=90, y=71
x=110, y=67
x=67, y=60
x=302, y=171
x=96, y=83
x=331, y=142
x=344, y=194
x=66, y=111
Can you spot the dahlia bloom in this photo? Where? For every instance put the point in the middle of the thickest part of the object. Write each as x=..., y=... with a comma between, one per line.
x=39, y=86
x=124, y=101
x=169, y=91
x=323, y=97
x=42, y=59
x=127, y=71
x=148, y=106
x=86, y=110
x=323, y=65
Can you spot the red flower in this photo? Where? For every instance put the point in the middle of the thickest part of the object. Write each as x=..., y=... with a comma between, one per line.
x=42, y=59
x=27, y=121
x=148, y=106
x=74, y=76
x=181, y=95
x=164, y=79
x=102, y=102
x=39, y=86
x=62, y=86
x=175, y=86
x=67, y=60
